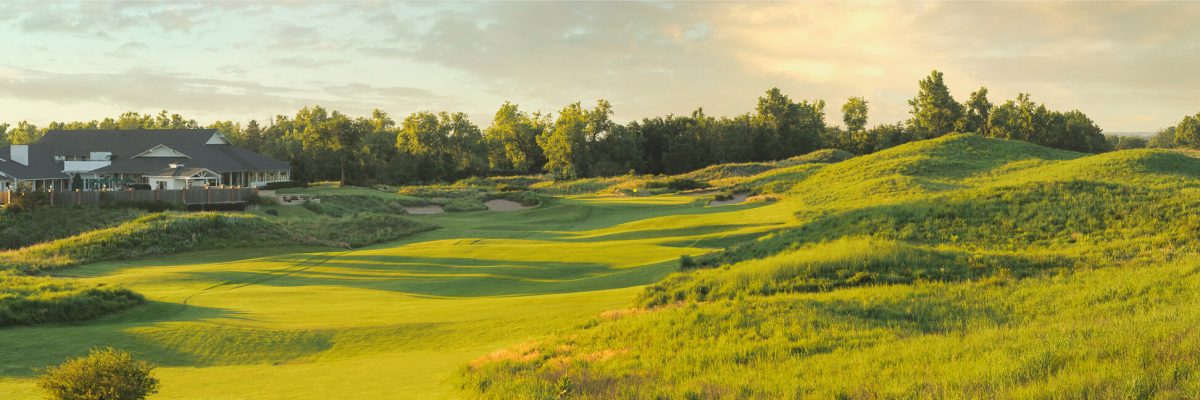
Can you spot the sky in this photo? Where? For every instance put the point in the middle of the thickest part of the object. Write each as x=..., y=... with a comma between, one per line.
x=1132, y=67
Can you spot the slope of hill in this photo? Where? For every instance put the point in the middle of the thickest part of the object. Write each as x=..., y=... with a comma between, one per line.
x=958, y=267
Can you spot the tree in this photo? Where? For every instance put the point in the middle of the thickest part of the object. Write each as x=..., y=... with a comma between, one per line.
x=421, y=138
x=512, y=140
x=786, y=128
x=934, y=110
x=564, y=144
x=466, y=146
x=104, y=374
x=1022, y=119
x=1163, y=139
x=252, y=137
x=1187, y=132
x=24, y=133
x=854, y=114
x=979, y=110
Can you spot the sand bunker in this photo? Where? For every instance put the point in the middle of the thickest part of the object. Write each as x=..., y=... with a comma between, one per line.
x=505, y=205
x=737, y=198
x=425, y=210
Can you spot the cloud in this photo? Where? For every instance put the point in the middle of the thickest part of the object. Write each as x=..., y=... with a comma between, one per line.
x=1125, y=64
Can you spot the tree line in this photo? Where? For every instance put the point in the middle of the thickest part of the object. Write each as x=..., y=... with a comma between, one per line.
x=584, y=141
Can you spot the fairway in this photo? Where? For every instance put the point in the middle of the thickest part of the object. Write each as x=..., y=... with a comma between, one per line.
x=394, y=320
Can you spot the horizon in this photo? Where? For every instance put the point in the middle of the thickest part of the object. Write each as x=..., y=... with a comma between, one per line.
x=1120, y=63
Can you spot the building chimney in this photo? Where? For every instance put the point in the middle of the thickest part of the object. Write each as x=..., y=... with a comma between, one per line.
x=19, y=153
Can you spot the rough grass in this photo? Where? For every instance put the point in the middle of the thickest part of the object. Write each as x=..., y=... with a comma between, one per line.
x=959, y=267
x=48, y=223
x=154, y=234
x=26, y=300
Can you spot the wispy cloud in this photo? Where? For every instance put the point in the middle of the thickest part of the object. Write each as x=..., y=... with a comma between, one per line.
x=1125, y=64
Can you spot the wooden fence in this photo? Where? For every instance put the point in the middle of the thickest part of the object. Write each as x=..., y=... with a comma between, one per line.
x=206, y=195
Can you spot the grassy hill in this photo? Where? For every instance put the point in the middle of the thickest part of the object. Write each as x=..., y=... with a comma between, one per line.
x=958, y=267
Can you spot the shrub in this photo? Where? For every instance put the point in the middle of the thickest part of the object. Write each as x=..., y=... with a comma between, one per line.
x=104, y=374
x=139, y=186
x=150, y=206
x=258, y=200
x=464, y=204
x=686, y=262
x=241, y=206
x=283, y=185
x=680, y=184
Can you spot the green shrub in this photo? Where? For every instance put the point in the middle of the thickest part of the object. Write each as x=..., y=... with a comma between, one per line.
x=104, y=374
x=681, y=184
x=283, y=185
x=464, y=204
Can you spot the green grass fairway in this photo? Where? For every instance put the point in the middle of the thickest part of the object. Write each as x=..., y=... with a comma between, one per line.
x=395, y=320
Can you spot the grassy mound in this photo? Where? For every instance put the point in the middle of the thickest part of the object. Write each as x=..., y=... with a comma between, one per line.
x=48, y=223
x=355, y=230
x=959, y=267
x=839, y=264
x=26, y=300
x=1115, y=333
x=917, y=169
x=153, y=234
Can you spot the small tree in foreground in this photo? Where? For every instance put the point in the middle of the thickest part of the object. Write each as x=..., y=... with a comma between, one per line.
x=104, y=374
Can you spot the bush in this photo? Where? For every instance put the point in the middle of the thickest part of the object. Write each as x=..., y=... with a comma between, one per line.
x=507, y=187
x=681, y=184
x=150, y=206
x=464, y=204
x=526, y=198
x=139, y=186
x=258, y=200
x=241, y=206
x=104, y=374
x=283, y=185
x=686, y=262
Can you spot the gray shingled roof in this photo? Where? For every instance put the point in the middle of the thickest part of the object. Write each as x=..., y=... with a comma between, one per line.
x=41, y=165
x=125, y=144
x=179, y=171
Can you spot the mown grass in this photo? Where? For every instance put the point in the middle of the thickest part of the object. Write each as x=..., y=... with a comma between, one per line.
x=390, y=320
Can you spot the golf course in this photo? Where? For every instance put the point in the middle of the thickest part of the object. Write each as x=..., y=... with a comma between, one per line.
x=955, y=267
x=392, y=320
